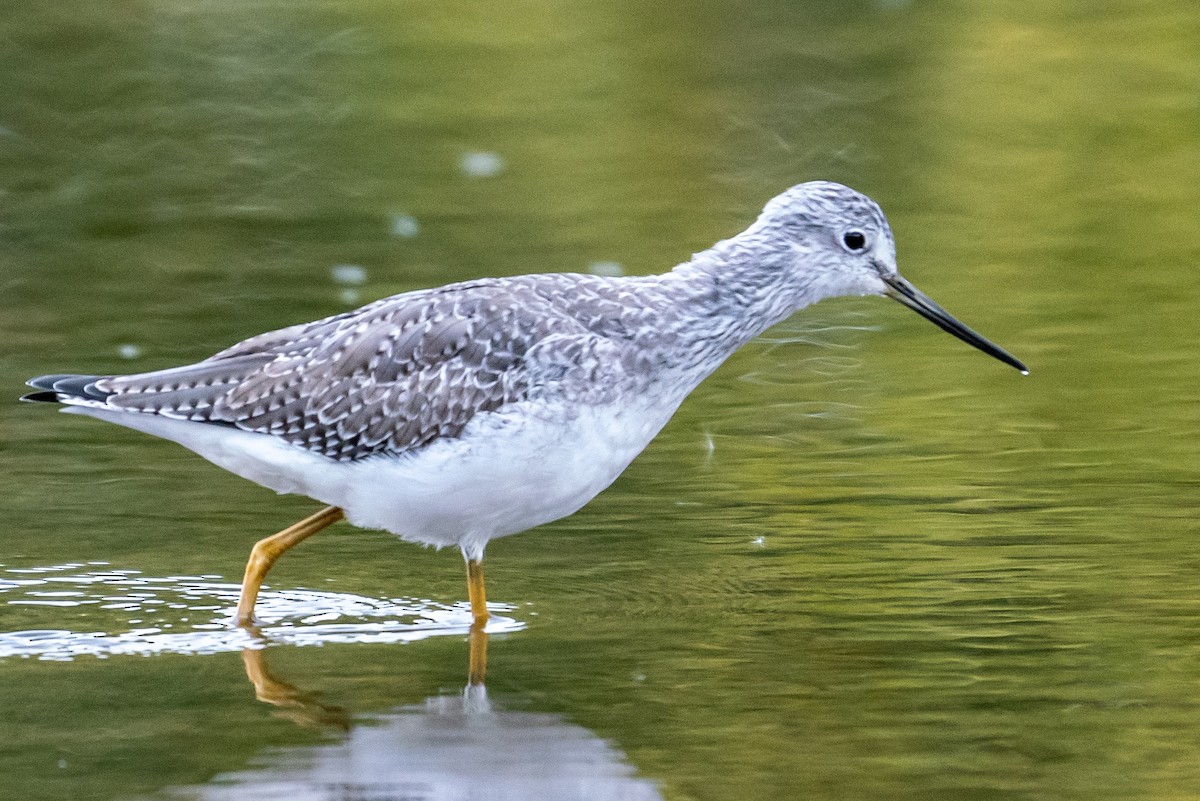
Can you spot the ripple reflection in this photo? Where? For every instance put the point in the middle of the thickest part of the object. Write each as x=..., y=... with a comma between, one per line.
x=148, y=615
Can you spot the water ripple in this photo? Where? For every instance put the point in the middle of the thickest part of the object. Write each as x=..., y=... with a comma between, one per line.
x=148, y=615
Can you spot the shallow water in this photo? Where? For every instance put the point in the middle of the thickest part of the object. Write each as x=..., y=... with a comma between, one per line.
x=863, y=561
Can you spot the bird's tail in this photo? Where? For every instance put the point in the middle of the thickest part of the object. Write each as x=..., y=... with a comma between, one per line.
x=66, y=388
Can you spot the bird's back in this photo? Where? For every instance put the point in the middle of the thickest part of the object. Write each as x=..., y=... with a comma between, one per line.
x=396, y=374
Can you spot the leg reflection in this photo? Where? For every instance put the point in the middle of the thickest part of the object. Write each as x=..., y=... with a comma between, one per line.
x=477, y=642
x=294, y=704
x=308, y=710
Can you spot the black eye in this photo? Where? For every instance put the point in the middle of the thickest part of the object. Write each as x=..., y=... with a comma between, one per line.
x=854, y=240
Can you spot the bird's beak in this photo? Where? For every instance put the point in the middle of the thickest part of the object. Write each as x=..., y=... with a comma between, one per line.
x=922, y=304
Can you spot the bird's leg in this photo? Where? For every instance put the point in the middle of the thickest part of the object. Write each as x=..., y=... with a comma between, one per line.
x=269, y=549
x=476, y=593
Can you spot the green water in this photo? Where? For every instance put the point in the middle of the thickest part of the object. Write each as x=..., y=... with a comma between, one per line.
x=862, y=562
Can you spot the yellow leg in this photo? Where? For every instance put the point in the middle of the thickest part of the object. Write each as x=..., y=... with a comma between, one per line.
x=269, y=549
x=476, y=592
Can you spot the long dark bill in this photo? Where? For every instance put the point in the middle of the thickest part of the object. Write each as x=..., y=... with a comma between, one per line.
x=922, y=304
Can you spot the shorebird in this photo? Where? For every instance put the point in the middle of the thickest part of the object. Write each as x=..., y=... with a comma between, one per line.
x=456, y=415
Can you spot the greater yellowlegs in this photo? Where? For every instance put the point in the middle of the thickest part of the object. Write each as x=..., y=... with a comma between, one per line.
x=456, y=415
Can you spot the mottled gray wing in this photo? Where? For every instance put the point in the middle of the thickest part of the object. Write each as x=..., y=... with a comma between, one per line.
x=389, y=377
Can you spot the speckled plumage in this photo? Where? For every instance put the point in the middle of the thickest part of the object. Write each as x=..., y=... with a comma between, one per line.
x=388, y=409
x=395, y=375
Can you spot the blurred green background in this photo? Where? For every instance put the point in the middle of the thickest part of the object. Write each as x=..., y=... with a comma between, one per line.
x=864, y=561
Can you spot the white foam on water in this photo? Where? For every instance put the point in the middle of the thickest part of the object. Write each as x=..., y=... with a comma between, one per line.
x=194, y=615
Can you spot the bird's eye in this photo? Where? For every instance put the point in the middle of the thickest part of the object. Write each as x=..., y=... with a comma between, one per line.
x=854, y=240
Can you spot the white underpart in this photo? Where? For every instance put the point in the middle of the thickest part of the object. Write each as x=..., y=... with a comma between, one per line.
x=513, y=469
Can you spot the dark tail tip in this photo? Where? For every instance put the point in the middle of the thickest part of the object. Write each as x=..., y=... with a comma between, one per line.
x=41, y=397
x=64, y=385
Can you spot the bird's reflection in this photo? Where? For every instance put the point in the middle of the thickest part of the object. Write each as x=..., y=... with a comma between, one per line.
x=449, y=746
x=307, y=709
x=477, y=659
x=303, y=708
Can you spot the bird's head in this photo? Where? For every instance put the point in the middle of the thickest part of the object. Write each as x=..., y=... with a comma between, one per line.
x=836, y=241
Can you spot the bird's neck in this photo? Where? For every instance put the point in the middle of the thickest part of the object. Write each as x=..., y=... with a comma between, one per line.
x=713, y=304
x=737, y=289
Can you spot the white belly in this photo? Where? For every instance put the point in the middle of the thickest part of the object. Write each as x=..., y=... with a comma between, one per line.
x=509, y=471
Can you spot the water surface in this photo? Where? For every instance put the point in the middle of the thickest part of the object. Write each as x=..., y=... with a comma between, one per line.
x=863, y=561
